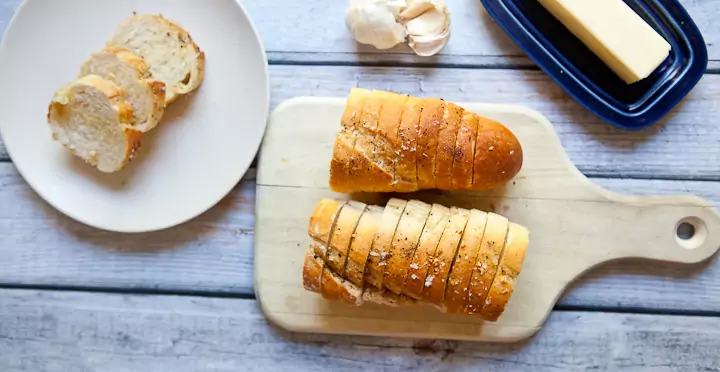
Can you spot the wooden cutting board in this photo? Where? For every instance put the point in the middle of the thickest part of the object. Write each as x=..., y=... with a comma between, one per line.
x=574, y=226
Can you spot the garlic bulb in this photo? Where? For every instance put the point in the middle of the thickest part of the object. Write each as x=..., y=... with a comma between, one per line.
x=375, y=22
x=386, y=23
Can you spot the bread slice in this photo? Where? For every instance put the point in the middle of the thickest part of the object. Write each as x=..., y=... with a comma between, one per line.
x=170, y=52
x=324, y=218
x=387, y=298
x=447, y=139
x=342, y=235
x=431, y=122
x=131, y=74
x=404, y=243
x=491, y=249
x=361, y=244
x=344, y=161
x=456, y=293
x=463, y=162
x=422, y=259
x=498, y=155
x=510, y=266
x=406, y=166
x=313, y=267
x=434, y=293
x=375, y=267
x=92, y=118
x=338, y=289
x=388, y=142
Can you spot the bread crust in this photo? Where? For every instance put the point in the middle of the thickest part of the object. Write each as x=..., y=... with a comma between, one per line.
x=447, y=139
x=335, y=288
x=422, y=259
x=344, y=160
x=498, y=155
x=431, y=122
x=488, y=259
x=388, y=130
x=342, y=235
x=510, y=266
x=464, y=155
x=375, y=267
x=361, y=244
x=404, y=243
x=445, y=257
x=456, y=293
x=387, y=298
x=324, y=218
x=408, y=135
x=312, y=271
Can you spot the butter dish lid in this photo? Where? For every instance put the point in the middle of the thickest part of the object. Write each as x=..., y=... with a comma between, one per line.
x=592, y=83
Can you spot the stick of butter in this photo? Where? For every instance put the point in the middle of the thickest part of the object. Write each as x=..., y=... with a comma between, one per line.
x=615, y=33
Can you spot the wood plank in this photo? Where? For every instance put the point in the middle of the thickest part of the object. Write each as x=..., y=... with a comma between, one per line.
x=315, y=31
x=214, y=253
x=66, y=331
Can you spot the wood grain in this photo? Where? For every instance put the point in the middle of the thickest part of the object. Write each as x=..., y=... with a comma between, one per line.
x=214, y=253
x=75, y=331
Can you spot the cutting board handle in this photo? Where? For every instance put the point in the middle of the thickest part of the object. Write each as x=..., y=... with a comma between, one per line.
x=668, y=228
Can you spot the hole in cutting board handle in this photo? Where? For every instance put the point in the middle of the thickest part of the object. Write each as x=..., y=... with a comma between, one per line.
x=690, y=232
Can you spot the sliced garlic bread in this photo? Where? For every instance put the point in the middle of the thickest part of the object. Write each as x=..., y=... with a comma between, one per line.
x=377, y=259
x=431, y=122
x=361, y=244
x=510, y=266
x=447, y=141
x=456, y=293
x=342, y=235
x=167, y=48
x=422, y=259
x=491, y=249
x=131, y=74
x=404, y=243
x=436, y=280
x=92, y=118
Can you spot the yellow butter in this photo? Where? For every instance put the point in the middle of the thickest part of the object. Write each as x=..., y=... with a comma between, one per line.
x=615, y=33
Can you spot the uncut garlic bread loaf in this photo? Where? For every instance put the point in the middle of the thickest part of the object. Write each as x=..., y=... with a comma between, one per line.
x=93, y=119
x=169, y=51
x=395, y=143
x=460, y=261
x=132, y=75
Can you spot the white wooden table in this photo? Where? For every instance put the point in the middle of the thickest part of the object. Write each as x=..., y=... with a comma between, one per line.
x=77, y=299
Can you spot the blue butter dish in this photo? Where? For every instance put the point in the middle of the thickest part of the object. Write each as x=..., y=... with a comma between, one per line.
x=592, y=83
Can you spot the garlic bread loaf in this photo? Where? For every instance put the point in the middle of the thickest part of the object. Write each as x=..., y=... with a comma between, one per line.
x=170, y=52
x=460, y=261
x=132, y=75
x=395, y=143
x=92, y=118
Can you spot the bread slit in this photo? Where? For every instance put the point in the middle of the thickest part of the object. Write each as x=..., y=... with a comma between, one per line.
x=488, y=260
x=464, y=154
x=427, y=245
x=375, y=267
x=361, y=244
x=510, y=266
x=321, y=249
x=404, y=243
x=447, y=141
x=345, y=232
x=408, y=133
x=431, y=122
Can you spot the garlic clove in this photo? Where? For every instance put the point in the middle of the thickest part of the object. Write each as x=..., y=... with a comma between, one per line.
x=373, y=22
x=432, y=22
x=415, y=8
x=426, y=46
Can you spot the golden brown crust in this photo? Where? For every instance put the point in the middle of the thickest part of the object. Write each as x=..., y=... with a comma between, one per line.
x=354, y=107
x=361, y=244
x=312, y=270
x=408, y=132
x=510, y=266
x=456, y=293
x=404, y=243
x=345, y=161
x=444, y=257
x=498, y=155
x=431, y=122
x=422, y=259
x=323, y=219
x=375, y=267
x=464, y=155
x=491, y=249
x=447, y=139
x=342, y=235
x=388, y=144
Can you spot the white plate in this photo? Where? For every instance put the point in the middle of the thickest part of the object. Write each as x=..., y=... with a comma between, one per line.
x=200, y=151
